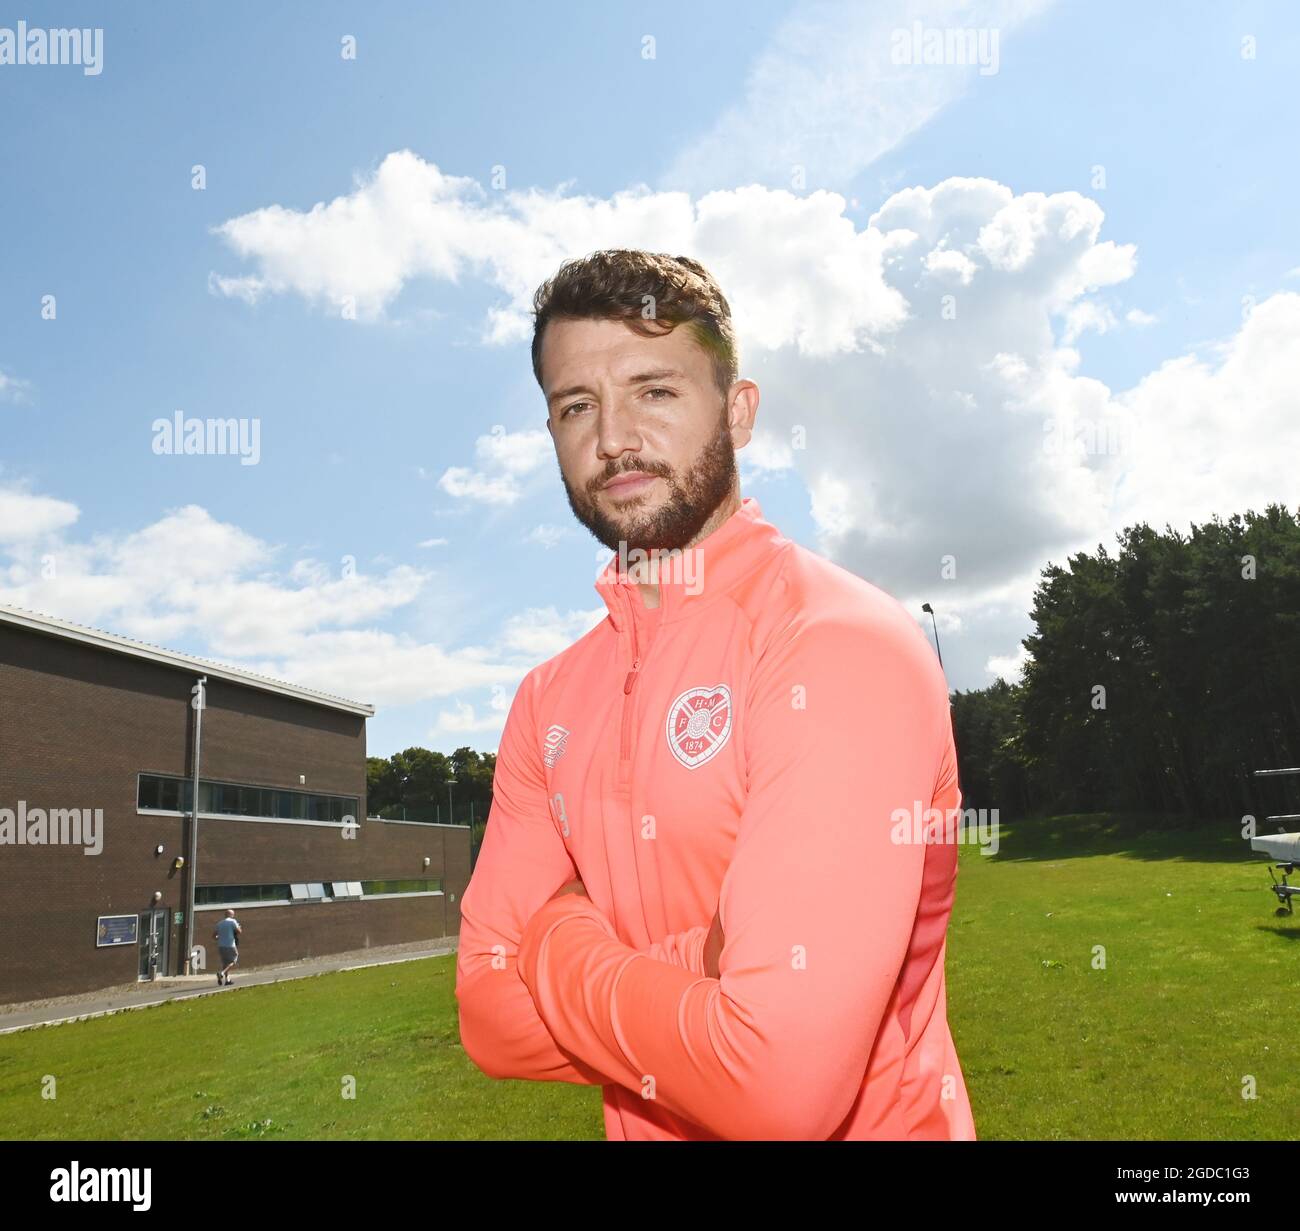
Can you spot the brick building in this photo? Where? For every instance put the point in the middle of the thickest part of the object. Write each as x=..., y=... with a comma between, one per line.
x=97, y=749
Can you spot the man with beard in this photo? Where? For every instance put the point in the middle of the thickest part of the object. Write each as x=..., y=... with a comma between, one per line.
x=700, y=886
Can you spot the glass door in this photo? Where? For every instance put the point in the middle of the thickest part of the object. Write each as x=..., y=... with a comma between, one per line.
x=153, y=944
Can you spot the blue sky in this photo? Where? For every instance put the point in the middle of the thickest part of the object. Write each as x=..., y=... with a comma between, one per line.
x=1111, y=211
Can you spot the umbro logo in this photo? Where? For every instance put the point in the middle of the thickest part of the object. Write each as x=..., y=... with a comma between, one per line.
x=556, y=741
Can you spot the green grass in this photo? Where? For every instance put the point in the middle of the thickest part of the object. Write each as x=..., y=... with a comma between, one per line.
x=1198, y=991
x=270, y=1062
x=1195, y=996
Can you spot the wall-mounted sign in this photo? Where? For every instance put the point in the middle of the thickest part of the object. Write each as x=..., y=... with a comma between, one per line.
x=116, y=930
x=178, y=918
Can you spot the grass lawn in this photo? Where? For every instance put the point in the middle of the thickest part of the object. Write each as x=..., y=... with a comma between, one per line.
x=1196, y=995
x=270, y=1062
x=1194, y=998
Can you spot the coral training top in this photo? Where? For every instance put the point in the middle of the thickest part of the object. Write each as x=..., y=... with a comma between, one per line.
x=743, y=747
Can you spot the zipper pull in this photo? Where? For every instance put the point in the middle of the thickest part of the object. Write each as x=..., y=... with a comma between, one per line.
x=631, y=677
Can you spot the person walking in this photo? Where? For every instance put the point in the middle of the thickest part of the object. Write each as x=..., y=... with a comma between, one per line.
x=227, y=937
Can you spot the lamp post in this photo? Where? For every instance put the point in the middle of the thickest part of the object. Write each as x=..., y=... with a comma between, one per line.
x=451, y=816
x=937, y=650
x=198, y=700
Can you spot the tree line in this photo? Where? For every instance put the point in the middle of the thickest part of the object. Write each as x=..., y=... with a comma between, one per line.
x=413, y=786
x=1159, y=676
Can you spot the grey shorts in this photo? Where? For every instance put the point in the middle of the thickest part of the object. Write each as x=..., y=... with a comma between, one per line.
x=227, y=955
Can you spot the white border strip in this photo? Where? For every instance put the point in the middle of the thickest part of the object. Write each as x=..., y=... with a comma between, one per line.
x=388, y=820
x=231, y=816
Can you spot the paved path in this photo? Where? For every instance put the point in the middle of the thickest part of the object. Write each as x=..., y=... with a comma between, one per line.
x=142, y=995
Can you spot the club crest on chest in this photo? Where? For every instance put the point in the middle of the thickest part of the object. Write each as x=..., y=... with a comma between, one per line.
x=699, y=724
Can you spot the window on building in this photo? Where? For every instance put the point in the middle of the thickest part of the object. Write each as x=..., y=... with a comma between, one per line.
x=164, y=793
x=232, y=895
x=370, y=888
x=308, y=891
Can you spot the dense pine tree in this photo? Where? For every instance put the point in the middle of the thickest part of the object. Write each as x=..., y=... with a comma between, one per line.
x=1159, y=678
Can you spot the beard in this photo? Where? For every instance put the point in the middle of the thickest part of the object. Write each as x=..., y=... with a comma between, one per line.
x=691, y=500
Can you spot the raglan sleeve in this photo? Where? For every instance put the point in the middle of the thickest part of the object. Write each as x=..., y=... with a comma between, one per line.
x=846, y=726
x=522, y=862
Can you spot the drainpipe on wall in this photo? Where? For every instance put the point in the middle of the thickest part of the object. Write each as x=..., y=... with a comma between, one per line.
x=198, y=699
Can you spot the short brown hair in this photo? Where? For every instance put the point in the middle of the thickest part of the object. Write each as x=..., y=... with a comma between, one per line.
x=614, y=283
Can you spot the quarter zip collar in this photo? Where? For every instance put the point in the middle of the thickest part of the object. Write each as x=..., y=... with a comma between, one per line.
x=695, y=577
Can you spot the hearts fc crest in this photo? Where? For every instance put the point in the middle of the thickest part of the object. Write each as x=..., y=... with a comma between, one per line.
x=699, y=724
